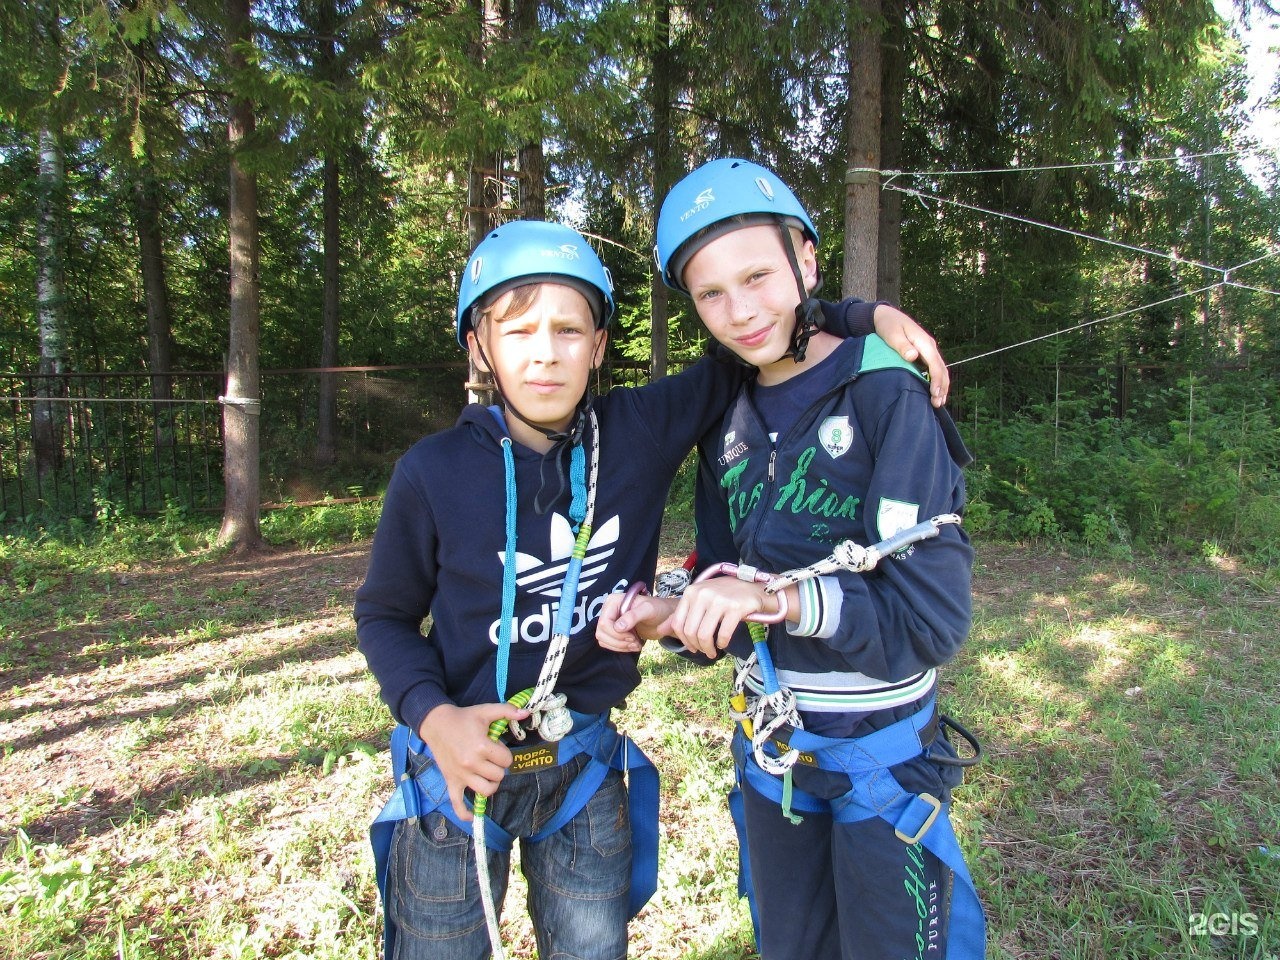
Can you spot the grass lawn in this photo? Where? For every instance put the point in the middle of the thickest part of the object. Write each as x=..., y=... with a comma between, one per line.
x=191, y=750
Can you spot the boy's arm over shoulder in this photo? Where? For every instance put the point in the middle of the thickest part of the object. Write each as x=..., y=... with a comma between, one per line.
x=858, y=318
x=851, y=317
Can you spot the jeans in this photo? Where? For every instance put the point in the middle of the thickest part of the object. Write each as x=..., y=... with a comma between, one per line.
x=579, y=878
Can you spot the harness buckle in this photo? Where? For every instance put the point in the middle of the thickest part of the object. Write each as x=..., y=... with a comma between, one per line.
x=928, y=821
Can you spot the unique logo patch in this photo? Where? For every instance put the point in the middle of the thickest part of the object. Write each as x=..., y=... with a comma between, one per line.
x=835, y=435
x=732, y=451
x=895, y=515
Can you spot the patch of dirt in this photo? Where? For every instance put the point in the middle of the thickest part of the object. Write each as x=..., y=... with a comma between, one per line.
x=77, y=699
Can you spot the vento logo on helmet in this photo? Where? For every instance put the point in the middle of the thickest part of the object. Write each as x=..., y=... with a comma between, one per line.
x=700, y=203
x=566, y=251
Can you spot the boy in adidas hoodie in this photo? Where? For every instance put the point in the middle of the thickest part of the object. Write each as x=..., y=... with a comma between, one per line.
x=847, y=849
x=547, y=503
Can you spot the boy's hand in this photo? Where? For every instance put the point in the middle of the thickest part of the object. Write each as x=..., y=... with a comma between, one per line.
x=627, y=632
x=914, y=343
x=709, y=613
x=459, y=741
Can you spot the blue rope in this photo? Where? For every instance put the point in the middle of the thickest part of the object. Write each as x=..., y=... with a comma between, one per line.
x=508, y=572
x=578, y=485
x=577, y=513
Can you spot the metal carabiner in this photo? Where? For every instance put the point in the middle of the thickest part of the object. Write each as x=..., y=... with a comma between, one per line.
x=749, y=574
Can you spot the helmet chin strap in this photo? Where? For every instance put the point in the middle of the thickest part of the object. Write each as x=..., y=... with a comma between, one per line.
x=570, y=437
x=809, y=316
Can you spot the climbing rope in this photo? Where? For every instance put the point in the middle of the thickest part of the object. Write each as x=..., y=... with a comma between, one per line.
x=764, y=715
x=549, y=712
x=479, y=808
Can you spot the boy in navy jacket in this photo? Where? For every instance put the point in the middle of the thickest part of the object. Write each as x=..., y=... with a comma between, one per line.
x=844, y=775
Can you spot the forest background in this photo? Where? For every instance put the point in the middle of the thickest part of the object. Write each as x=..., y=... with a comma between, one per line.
x=230, y=214
x=229, y=243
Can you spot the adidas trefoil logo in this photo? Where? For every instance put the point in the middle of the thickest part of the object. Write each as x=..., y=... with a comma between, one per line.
x=546, y=579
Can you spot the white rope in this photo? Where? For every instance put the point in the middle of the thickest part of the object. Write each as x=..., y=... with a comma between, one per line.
x=549, y=712
x=486, y=892
x=1137, y=161
x=1171, y=257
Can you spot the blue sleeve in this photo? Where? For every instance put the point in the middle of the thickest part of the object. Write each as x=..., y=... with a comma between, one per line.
x=850, y=318
x=714, y=536
x=395, y=599
x=914, y=610
x=676, y=410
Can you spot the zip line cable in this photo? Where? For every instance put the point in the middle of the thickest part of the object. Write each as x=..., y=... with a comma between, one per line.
x=1088, y=323
x=1172, y=257
x=1138, y=161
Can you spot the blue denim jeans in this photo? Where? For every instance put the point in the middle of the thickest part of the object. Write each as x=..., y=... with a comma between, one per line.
x=579, y=878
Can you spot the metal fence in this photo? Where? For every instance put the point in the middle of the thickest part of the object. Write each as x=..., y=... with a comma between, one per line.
x=113, y=447
x=108, y=445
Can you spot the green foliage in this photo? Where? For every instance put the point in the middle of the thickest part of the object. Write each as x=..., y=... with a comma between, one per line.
x=324, y=525
x=1194, y=463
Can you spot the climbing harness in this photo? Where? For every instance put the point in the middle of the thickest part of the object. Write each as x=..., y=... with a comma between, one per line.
x=763, y=716
x=771, y=734
x=420, y=786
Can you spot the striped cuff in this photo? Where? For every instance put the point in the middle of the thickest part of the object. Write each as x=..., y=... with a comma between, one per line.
x=820, y=602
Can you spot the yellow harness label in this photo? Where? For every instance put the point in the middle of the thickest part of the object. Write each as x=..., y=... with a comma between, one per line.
x=808, y=759
x=541, y=756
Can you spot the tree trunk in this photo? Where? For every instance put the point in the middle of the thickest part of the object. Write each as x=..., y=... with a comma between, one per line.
x=862, y=182
x=659, y=324
x=892, y=74
x=242, y=403
x=533, y=182
x=331, y=206
x=146, y=219
x=484, y=186
x=46, y=431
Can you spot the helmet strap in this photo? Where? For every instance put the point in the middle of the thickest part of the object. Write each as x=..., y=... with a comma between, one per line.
x=571, y=437
x=809, y=316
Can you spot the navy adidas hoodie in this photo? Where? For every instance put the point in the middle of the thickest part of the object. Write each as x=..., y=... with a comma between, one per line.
x=439, y=547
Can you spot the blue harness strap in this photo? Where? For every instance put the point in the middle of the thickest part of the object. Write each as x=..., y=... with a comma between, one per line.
x=875, y=792
x=426, y=792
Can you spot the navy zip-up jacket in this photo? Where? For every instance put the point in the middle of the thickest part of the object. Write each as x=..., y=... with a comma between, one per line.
x=439, y=545
x=868, y=458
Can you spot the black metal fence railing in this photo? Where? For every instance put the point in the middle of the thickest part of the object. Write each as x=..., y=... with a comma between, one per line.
x=76, y=444
x=84, y=445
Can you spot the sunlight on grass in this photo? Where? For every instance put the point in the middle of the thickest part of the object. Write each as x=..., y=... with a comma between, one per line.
x=192, y=758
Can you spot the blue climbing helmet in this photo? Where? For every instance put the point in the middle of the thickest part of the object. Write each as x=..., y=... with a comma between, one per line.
x=730, y=193
x=534, y=251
